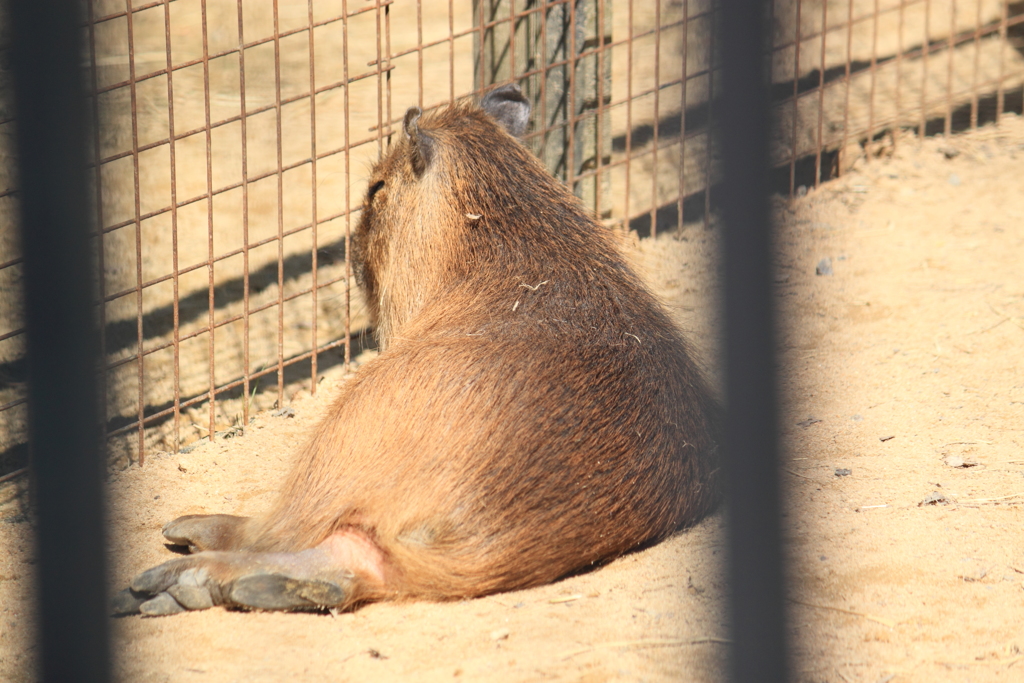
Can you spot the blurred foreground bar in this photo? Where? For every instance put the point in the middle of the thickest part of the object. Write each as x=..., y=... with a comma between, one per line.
x=64, y=429
x=751, y=452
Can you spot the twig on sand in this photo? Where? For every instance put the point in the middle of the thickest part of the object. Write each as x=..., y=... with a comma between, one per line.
x=649, y=642
x=881, y=620
x=1003, y=319
x=797, y=474
x=966, y=662
x=992, y=500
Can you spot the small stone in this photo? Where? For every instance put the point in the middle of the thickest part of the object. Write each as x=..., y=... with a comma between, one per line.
x=977, y=575
x=843, y=472
x=801, y=191
x=950, y=152
x=824, y=267
x=287, y=411
x=954, y=179
x=935, y=498
x=500, y=634
x=960, y=462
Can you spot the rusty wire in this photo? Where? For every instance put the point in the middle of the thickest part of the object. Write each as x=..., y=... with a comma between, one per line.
x=800, y=91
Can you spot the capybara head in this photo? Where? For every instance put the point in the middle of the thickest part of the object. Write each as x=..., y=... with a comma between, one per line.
x=456, y=179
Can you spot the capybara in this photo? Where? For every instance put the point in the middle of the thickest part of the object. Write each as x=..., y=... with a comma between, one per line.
x=533, y=411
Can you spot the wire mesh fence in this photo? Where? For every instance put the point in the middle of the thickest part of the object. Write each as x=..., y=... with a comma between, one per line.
x=233, y=137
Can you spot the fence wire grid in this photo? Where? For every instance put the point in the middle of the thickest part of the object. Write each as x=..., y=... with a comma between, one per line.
x=232, y=139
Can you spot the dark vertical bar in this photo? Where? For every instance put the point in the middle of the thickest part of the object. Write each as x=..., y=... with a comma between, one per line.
x=751, y=453
x=64, y=426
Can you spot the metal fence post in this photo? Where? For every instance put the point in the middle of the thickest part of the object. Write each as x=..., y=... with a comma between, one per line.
x=65, y=434
x=751, y=452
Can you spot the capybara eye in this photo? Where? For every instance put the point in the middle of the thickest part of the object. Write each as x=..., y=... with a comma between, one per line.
x=373, y=190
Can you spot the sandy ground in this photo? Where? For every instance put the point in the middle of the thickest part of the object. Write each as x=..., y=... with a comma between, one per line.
x=903, y=424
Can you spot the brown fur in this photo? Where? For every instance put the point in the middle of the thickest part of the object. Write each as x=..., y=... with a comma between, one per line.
x=533, y=410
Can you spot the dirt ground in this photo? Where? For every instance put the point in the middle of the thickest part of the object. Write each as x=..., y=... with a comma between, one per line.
x=903, y=427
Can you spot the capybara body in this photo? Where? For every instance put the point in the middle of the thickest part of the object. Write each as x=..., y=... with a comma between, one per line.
x=532, y=411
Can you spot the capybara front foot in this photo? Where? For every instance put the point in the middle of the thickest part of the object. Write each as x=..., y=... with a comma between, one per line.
x=205, y=532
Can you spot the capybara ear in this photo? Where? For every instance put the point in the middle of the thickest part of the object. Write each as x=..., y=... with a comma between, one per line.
x=422, y=142
x=509, y=107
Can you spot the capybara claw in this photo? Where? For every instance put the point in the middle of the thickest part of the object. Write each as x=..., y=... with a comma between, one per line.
x=127, y=602
x=279, y=592
x=191, y=597
x=161, y=605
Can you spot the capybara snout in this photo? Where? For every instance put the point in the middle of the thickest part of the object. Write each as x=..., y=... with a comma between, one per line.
x=533, y=410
